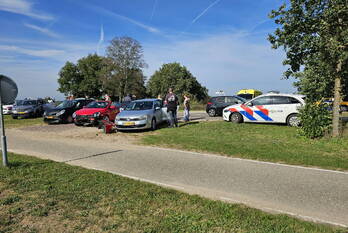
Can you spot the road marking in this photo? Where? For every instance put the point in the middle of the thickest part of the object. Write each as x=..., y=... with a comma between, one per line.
x=249, y=160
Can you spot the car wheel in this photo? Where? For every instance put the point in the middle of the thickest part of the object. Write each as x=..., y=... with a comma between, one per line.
x=77, y=124
x=153, y=124
x=70, y=119
x=293, y=120
x=236, y=118
x=212, y=112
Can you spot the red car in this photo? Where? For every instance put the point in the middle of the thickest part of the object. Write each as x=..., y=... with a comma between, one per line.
x=95, y=111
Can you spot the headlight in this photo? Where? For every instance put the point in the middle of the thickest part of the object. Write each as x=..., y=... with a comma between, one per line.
x=60, y=113
x=97, y=114
x=74, y=115
x=143, y=118
x=226, y=110
x=29, y=110
x=14, y=111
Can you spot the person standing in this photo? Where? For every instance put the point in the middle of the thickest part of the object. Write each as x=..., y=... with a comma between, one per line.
x=186, y=108
x=172, y=104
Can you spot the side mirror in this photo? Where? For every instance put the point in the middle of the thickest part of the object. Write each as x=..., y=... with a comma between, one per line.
x=157, y=108
x=250, y=104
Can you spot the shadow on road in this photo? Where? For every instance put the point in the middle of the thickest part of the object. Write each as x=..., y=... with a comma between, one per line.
x=91, y=156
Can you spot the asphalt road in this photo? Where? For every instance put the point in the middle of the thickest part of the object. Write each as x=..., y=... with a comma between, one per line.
x=312, y=194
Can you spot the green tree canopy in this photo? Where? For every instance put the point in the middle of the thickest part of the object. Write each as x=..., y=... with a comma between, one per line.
x=125, y=61
x=314, y=35
x=179, y=78
x=82, y=79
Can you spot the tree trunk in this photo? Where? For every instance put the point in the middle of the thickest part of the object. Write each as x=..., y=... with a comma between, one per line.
x=336, y=132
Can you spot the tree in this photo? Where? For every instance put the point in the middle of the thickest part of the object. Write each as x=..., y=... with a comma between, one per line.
x=125, y=58
x=314, y=35
x=179, y=78
x=82, y=79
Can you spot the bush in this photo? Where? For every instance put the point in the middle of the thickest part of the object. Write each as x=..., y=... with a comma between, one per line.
x=315, y=120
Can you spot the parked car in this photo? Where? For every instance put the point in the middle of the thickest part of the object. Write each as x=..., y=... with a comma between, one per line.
x=142, y=114
x=95, y=111
x=64, y=111
x=248, y=94
x=28, y=108
x=216, y=104
x=7, y=109
x=329, y=103
x=268, y=108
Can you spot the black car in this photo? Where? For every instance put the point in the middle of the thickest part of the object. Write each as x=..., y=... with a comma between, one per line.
x=216, y=104
x=64, y=111
x=28, y=108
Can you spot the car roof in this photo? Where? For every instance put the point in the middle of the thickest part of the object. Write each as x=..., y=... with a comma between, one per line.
x=141, y=100
x=282, y=94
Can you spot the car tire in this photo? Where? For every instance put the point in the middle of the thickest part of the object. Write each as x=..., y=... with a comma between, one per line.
x=293, y=120
x=153, y=124
x=236, y=118
x=212, y=112
x=70, y=119
x=77, y=124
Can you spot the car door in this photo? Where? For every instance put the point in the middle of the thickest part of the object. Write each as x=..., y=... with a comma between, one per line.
x=164, y=111
x=158, y=111
x=258, y=110
x=220, y=104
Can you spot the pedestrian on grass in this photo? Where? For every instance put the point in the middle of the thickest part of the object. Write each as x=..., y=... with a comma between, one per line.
x=172, y=104
x=187, y=108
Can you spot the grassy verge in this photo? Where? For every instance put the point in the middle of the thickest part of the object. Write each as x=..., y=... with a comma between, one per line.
x=15, y=123
x=275, y=143
x=45, y=196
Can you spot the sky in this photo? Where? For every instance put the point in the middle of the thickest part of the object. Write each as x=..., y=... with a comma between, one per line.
x=223, y=43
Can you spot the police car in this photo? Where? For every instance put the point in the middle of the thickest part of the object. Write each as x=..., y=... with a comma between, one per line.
x=267, y=108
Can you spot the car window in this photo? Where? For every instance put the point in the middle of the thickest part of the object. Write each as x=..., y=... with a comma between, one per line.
x=294, y=100
x=219, y=99
x=157, y=104
x=97, y=104
x=265, y=100
x=280, y=100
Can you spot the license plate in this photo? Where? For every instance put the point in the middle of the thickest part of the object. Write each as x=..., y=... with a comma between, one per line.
x=50, y=117
x=21, y=112
x=130, y=123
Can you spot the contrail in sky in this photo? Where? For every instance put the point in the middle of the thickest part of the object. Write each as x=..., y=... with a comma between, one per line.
x=101, y=40
x=153, y=9
x=205, y=11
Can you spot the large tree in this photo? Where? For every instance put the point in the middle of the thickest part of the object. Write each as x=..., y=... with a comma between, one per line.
x=125, y=56
x=314, y=34
x=82, y=79
x=177, y=77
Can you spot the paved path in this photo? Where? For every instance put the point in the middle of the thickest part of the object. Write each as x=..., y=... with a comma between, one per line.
x=313, y=194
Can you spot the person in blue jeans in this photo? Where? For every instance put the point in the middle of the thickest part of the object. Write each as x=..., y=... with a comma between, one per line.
x=186, y=108
x=172, y=102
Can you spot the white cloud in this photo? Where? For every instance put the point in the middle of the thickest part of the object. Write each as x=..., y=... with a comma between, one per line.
x=23, y=7
x=46, y=53
x=223, y=62
x=42, y=30
x=125, y=18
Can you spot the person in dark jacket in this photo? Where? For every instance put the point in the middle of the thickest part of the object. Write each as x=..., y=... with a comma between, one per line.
x=172, y=101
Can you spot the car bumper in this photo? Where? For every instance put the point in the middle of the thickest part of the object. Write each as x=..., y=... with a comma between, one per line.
x=132, y=125
x=52, y=119
x=22, y=114
x=7, y=112
x=226, y=116
x=86, y=120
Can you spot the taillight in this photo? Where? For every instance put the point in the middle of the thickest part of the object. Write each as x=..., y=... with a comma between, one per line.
x=209, y=103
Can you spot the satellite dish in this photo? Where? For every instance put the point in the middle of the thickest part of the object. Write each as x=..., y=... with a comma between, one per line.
x=8, y=90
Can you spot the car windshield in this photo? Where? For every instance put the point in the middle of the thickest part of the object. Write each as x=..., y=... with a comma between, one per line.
x=139, y=105
x=246, y=96
x=241, y=99
x=97, y=104
x=67, y=104
x=27, y=102
x=19, y=102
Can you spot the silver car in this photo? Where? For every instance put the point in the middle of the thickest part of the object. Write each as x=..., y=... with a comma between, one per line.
x=142, y=114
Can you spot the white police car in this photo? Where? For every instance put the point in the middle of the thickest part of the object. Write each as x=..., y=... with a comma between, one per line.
x=268, y=108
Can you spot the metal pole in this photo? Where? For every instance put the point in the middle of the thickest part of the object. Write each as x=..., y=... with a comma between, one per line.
x=3, y=137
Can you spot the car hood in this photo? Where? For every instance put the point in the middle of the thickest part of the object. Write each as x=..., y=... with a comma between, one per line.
x=233, y=106
x=23, y=107
x=136, y=113
x=90, y=111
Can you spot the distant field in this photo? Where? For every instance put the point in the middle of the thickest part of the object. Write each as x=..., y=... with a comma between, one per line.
x=45, y=196
x=266, y=142
x=15, y=123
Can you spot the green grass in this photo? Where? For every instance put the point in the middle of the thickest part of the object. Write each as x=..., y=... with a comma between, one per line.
x=275, y=143
x=44, y=196
x=16, y=123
